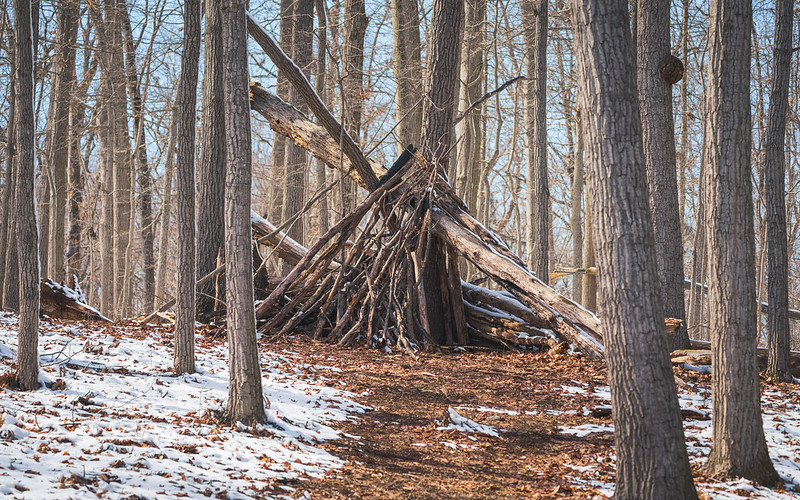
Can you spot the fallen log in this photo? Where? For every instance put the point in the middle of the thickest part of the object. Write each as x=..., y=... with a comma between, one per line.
x=702, y=357
x=62, y=302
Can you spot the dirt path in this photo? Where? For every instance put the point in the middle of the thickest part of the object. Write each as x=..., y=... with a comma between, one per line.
x=399, y=451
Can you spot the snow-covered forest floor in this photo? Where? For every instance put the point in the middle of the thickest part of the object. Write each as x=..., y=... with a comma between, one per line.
x=114, y=422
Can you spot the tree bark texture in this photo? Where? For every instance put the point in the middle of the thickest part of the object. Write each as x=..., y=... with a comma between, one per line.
x=355, y=28
x=407, y=71
x=279, y=144
x=651, y=455
x=9, y=276
x=576, y=219
x=58, y=146
x=778, y=366
x=534, y=17
x=166, y=210
x=658, y=141
x=143, y=179
x=27, y=234
x=245, y=396
x=739, y=448
x=294, y=196
x=211, y=171
x=441, y=90
x=118, y=121
x=470, y=129
x=185, y=107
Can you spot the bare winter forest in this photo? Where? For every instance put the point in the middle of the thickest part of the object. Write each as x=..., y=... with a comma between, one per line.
x=506, y=193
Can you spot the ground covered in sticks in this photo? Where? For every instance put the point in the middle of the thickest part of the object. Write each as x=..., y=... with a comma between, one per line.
x=114, y=422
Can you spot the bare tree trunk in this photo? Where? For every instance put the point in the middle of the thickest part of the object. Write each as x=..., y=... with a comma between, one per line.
x=696, y=320
x=658, y=139
x=407, y=72
x=576, y=222
x=245, y=397
x=9, y=275
x=143, y=179
x=538, y=193
x=211, y=172
x=739, y=448
x=444, y=46
x=106, y=140
x=470, y=148
x=355, y=27
x=166, y=210
x=279, y=144
x=320, y=86
x=58, y=146
x=186, y=108
x=27, y=235
x=118, y=121
x=778, y=366
x=296, y=159
x=75, y=255
x=651, y=456
x=683, y=148
x=589, y=300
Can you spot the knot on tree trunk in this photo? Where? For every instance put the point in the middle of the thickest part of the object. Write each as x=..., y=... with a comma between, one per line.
x=671, y=69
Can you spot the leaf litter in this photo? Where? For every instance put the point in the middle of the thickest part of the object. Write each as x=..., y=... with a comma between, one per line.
x=343, y=423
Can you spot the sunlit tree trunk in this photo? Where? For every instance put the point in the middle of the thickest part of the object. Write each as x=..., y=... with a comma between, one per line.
x=407, y=71
x=739, y=448
x=534, y=15
x=658, y=140
x=27, y=234
x=778, y=363
x=651, y=455
x=186, y=108
x=245, y=395
x=211, y=169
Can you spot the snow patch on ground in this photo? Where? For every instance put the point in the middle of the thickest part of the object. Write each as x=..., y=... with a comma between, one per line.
x=116, y=421
x=463, y=424
x=781, y=416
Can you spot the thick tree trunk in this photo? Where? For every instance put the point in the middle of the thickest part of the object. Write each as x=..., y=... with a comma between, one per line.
x=438, y=111
x=775, y=190
x=185, y=107
x=739, y=448
x=658, y=140
x=651, y=456
x=537, y=238
x=27, y=234
x=120, y=138
x=245, y=396
x=211, y=171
